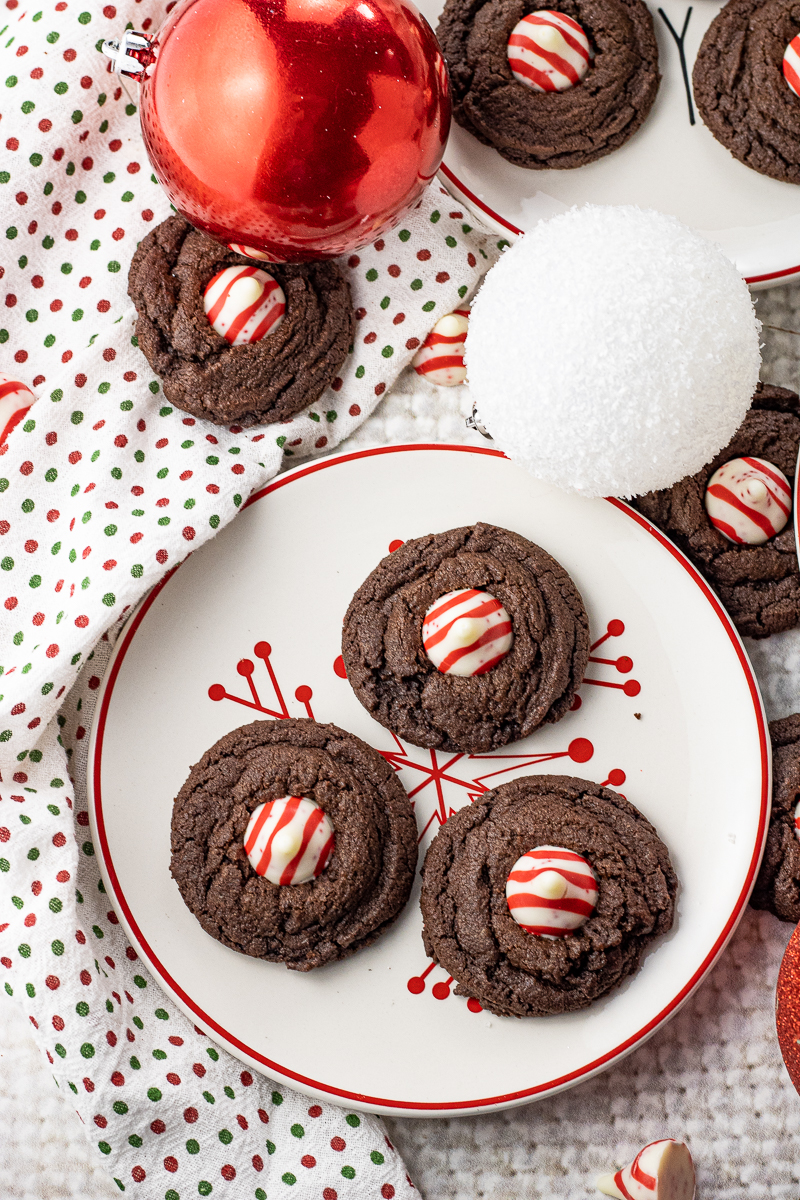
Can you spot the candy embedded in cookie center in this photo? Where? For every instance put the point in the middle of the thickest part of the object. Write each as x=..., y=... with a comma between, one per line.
x=551, y=891
x=748, y=500
x=791, y=64
x=290, y=840
x=548, y=51
x=466, y=632
x=440, y=358
x=244, y=304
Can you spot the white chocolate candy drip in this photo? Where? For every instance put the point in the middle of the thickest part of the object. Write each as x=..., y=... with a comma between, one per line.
x=548, y=51
x=15, y=400
x=289, y=841
x=748, y=500
x=440, y=358
x=791, y=64
x=244, y=304
x=466, y=632
x=551, y=891
x=661, y=1171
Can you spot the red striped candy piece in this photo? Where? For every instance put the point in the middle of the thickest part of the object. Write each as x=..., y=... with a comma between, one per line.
x=748, y=500
x=289, y=841
x=663, y=1170
x=791, y=64
x=551, y=891
x=251, y=252
x=440, y=358
x=466, y=632
x=15, y=400
x=244, y=304
x=797, y=821
x=548, y=51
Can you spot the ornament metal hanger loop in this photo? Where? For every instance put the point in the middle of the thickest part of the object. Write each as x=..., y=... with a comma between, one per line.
x=131, y=54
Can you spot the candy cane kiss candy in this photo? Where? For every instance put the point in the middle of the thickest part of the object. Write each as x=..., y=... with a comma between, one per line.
x=15, y=400
x=551, y=891
x=466, y=632
x=661, y=1171
x=748, y=500
x=791, y=64
x=548, y=51
x=441, y=356
x=289, y=840
x=244, y=304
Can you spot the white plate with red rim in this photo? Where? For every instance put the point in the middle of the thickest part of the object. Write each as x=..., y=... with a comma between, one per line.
x=669, y=164
x=250, y=626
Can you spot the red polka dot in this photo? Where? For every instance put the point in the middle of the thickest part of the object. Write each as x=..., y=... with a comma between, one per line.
x=580, y=750
x=38, y=618
x=82, y=621
x=380, y=388
x=398, y=320
x=51, y=652
x=423, y=255
x=133, y=168
x=242, y=1121
x=246, y=1078
x=263, y=1116
x=258, y=1162
x=360, y=313
x=63, y=876
x=45, y=125
x=228, y=1172
x=53, y=982
x=139, y=1174
x=84, y=283
x=199, y=1070
x=147, y=214
x=170, y=1163
x=412, y=343
x=308, y=1160
x=338, y=1143
x=393, y=270
x=58, y=1024
x=87, y=1083
x=118, y=235
x=188, y=533
x=118, y=1079
x=70, y=55
x=21, y=356
x=320, y=442
x=173, y=1078
x=315, y=1111
x=109, y=354
x=11, y=603
x=387, y=1191
x=329, y=1194
x=190, y=1115
x=161, y=556
x=110, y=12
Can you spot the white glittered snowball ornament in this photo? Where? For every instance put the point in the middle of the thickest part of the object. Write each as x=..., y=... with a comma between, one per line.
x=612, y=351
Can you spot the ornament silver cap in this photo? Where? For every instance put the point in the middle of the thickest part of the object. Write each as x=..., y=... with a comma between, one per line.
x=131, y=55
x=474, y=422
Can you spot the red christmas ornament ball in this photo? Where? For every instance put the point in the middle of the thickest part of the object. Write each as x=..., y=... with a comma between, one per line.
x=298, y=128
x=787, y=1008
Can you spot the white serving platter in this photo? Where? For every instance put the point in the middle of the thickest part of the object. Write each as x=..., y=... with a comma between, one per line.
x=670, y=165
x=250, y=626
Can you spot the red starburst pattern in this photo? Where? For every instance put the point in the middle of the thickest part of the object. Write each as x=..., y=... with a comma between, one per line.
x=438, y=782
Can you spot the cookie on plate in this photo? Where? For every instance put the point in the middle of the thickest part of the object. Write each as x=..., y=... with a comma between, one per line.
x=466, y=640
x=230, y=341
x=294, y=842
x=738, y=528
x=506, y=93
x=778, y=884
x=543, y=895
x=740, y=89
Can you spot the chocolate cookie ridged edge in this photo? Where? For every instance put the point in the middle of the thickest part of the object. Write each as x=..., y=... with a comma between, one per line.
x=396, y=700
x=454, y=31
x=447, y=951
x=262, y=382
x=301, y=733
x=762, y=590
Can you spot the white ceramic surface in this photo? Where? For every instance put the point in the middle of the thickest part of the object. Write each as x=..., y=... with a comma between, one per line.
x=669, y=164
x=695, y=760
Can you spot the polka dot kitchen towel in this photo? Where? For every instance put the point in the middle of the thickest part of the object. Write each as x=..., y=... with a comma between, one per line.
x=103, y=487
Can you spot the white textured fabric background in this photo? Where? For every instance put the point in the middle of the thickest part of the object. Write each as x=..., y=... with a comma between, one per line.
x=713, y=1076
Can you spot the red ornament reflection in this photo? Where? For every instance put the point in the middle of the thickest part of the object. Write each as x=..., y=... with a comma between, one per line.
x=301, y=128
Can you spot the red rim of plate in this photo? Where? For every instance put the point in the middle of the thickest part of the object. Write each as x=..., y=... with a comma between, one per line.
x=238, y=1047
x=474, y=200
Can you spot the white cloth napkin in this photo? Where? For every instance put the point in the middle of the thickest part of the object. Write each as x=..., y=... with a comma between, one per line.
x=103, y=487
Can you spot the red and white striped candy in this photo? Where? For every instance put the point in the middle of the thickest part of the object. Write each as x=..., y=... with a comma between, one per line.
x=289, y=840
x=466, y=632
x=791, y=64
x=661, y=1171
x=244, y=304
x=548, y=51
x=15, y=400
x=551, y=891
x=440, y=358
x=251, y=252
x=748, y=500
x=797, y=820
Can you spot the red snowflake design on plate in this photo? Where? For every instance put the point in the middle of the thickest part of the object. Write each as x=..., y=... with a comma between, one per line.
x=431, y=773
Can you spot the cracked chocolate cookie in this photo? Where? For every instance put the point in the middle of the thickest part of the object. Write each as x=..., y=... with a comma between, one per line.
x=740, y=89
x=295, y=351
x=293, y=842
x=543, y=895
x=466, y=640
x=778, y=884
x=758, y=582
x=551, y=128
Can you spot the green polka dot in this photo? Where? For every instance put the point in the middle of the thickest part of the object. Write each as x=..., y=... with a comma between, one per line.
x=404, y=235
x=297, y=1131
x=352, y=1120
x=416, y=284
x=377, y=1157
x=82, y=1009
x=277, y=1098
x=12, y=81
x=387, y=351
x=153, y=1094
x=120, y=1107
x=87, y=1050
x=429, y=306
x=192, y=1146
x=104, y=1147
x=349, y=1172
x=225, y=1136
x=135, y=1140
x=289, y=1178
x=204, y=1187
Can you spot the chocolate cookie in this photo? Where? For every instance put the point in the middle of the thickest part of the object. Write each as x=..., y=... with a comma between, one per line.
x=740, y=89
x=362, y=878
x=550, y=129
x=778, y=884
x=469, y=928
x=758, y=584
x=202, y=373
x=534, y=681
